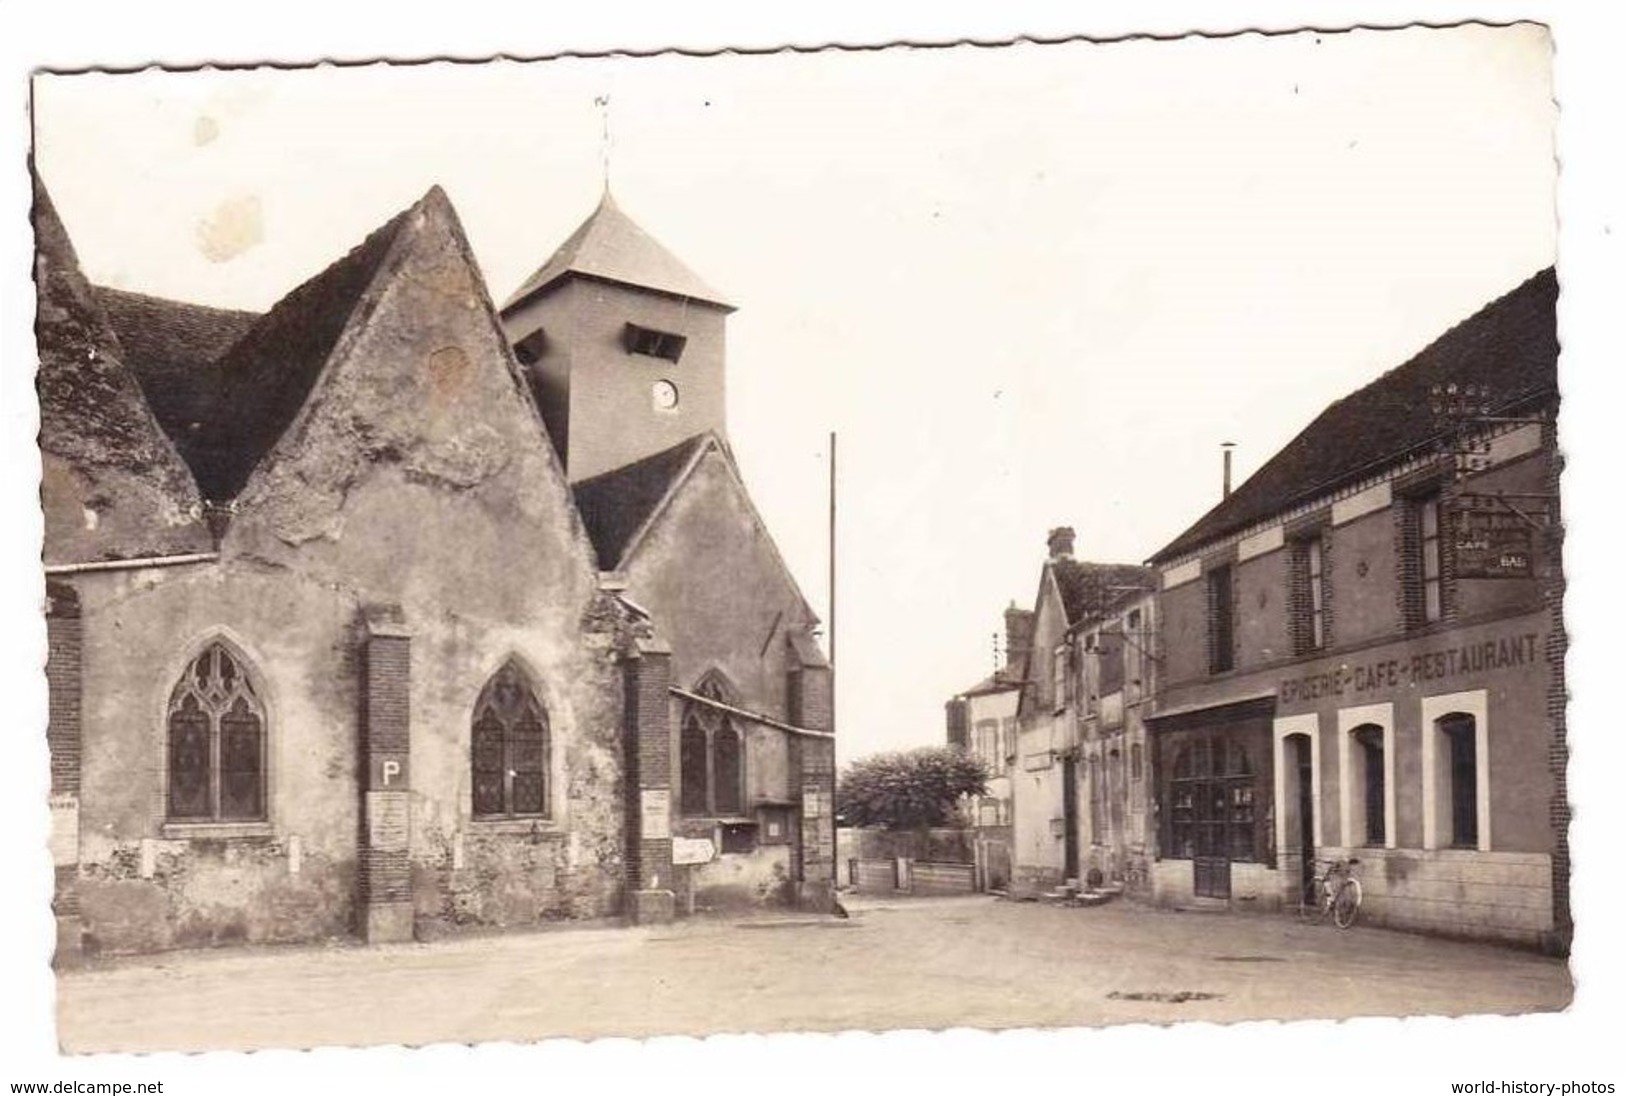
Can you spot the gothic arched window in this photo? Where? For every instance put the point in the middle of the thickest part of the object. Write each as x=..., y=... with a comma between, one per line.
x=510, y=748
x=216, y=747
x=712, y=756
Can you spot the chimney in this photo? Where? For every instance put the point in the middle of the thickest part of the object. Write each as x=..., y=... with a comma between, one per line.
x=1060, y=542
x=1227, y=446
x=1018, y=638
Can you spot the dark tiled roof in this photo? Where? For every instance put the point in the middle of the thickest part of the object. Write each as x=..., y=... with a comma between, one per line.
x=1088, y=589
x=174, y=349
x=615, y=504
x=1509, y=345
x=267, y=375
x=1001, y=682
x=611, y=246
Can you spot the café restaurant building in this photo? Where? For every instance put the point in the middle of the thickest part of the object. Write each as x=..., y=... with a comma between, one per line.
x=1363, y=652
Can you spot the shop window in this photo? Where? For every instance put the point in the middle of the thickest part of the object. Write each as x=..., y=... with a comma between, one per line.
x=1213, y=801
x=216, y=742
x=1221, y=620
x=510, y=748
x=711, y=762
x=1459, y=735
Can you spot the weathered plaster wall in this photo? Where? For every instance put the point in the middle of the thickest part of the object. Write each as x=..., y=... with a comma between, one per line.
x=708, y=574
x=767, y=765
x=735, y=880
x=1037, y=789
x=1263, y=620
x=141, y=629
x=1184, y=632
x=1364, y=579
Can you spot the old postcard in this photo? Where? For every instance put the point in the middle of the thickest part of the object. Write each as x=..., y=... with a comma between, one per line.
x=1062, y=534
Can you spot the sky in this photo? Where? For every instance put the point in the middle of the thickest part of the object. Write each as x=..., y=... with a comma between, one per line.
x=1026, y=291
x=1027, y=287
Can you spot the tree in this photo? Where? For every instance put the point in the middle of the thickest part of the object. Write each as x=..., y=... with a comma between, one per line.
x=908, y=790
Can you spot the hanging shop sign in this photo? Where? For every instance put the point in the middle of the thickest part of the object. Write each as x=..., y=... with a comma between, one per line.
x=1493, y=543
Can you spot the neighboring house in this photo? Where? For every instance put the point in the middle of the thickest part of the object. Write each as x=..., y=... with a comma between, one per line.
x=982, y=720
x=1363, y=651
x=335, y=648
x=1116, y=663
x=1054, y=795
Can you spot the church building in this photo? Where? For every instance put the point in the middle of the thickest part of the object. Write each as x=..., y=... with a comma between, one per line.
x=383, y=613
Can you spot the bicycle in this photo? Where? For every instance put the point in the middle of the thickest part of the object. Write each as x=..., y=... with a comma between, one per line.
x=1335, y=891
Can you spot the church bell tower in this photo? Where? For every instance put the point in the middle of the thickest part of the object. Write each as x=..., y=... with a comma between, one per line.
x=623, y=345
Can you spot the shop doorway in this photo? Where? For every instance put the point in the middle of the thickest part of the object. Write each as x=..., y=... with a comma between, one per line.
x=1213, y=821
x=1300, y=762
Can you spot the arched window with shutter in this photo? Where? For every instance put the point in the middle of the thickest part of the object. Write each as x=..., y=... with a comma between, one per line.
x=510, y=748
x=216, y=748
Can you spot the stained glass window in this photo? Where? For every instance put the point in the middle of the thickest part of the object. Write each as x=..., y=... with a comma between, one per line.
x=216, y=751
x=510, y=748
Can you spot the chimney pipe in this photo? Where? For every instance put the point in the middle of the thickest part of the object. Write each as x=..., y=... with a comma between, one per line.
x=1227, y=446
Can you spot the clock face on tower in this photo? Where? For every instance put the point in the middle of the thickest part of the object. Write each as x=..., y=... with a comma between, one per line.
x=664, y=395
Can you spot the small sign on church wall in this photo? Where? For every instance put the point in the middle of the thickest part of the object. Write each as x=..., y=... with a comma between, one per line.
x=656, y=820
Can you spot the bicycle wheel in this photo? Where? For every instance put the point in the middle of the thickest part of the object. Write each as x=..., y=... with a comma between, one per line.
x=1346, y=906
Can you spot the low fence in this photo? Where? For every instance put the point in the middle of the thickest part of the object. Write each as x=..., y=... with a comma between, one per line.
x=929, y=878
x=900, y=875
x=946, y=860
x=874, y=876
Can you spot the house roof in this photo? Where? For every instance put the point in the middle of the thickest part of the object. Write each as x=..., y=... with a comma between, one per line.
x=1002, y=681
x=1510, y=345
x=609, y=245
x=265, y=378
x=616, y=504
x=174, y=349
x=1089, y=589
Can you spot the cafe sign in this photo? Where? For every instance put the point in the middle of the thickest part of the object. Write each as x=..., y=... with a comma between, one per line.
x=1493, y=543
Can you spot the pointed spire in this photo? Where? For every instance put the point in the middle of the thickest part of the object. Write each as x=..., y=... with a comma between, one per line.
x=610, y=246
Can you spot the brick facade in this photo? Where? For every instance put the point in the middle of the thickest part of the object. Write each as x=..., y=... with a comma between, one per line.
x=64, y=668
x=1557, y=696
x=64, y=633
x=649, y=777
x=385, y=861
